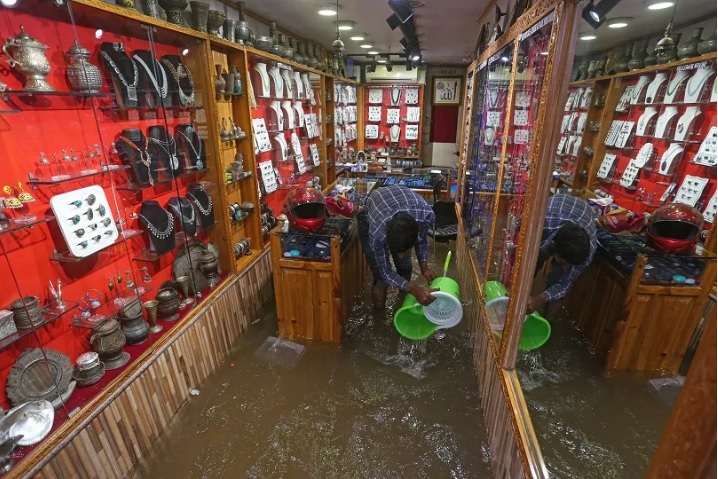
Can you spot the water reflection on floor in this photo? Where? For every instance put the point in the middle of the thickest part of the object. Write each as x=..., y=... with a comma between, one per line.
x=378, y=407
x=590, y=424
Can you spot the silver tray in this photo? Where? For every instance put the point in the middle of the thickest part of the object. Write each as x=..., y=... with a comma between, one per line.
x=187, y=264
x=33, y=420
x=32, y=378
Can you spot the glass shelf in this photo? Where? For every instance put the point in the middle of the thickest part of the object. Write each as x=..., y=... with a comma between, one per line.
x=246, y=175
x=668, y=140
x=134, y=187
x=68, y=257
x=36, y=182
x=26, y=100
x=49, y=314
x=15, y=226
x=110, y=308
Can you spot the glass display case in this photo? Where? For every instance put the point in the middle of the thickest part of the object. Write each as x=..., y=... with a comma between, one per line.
x=109, y=232
x=346, y=115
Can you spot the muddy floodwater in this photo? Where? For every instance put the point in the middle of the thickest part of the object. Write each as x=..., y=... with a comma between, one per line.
x=376, y=407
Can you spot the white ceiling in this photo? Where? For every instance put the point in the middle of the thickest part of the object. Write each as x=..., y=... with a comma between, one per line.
x=444, y=38
x=646, y=23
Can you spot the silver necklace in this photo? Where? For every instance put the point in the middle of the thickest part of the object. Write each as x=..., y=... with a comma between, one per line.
x=131, y=89
x=144, y=157
x=395, y=96
x=178, y=73
x=199, y=164
x=675, y=83
x=166, y=146
x=700, y=81
x=156, y=232
x=205, y=211
x=178, y=210
x=162, y=90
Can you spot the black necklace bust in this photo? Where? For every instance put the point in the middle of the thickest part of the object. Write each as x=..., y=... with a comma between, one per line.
x=191, y=147
x=134, y=150
x=184, y=213
x=124, y=73
x=155, y=80
x=181, y=81
x=203, y=203
x=159, y=226
x=165, y=150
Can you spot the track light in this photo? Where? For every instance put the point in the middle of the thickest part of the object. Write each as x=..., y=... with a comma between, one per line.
x=393, y=21
x=407, y=29
x=595, y=15
x=409, y=65
x=389, y=65
x=402, y=9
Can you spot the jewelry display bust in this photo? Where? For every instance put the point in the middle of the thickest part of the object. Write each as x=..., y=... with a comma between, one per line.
x=124, y=73
x=655, y=90
x=190, y=147
x=133, y=149
x=180, y=79
x=695, y=85
x=686, y=123
x=154, y=86
x=203, y=203
x=664, y=122
x=261, y=79
x=675, y=86
x=159, y=226
x=165, y=150
x=184, y=213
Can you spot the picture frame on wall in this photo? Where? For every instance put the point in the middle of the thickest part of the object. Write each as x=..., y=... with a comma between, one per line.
x=447, y=91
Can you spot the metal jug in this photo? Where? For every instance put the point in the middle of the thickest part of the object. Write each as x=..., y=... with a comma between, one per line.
x=28, y=56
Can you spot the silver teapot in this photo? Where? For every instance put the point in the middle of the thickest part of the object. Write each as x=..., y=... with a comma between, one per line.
x=28, y=56
x=82, y=75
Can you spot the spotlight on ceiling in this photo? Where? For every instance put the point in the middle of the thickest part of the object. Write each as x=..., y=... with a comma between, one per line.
x=393, y=21
x=357, y=37
x=587, y=37
x=327, y=10
x=658, y=4
x=381, y=60
x=402, y=9
x=619, y=22
x=366, y=46
x=416, y=58
x=595, y=15
x=407, y=29
x=389, y=65
x=344, y=25
x=373, y=52
x=409, y=65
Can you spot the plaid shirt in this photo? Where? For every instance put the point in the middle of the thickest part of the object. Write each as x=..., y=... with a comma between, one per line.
x=381, y=205
x=567, y=209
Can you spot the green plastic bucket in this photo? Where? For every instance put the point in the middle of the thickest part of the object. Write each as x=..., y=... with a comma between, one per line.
x=410, y=321
x=535, y=333
x=494, y=290
x=446, y=310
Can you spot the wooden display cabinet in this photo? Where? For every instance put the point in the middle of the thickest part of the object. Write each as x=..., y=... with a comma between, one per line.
x=315, y=297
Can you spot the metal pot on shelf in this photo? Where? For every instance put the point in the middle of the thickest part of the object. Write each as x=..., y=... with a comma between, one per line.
x=174, y=9
x=215, y=20
x=109, y=341
x=27, y=313
x=200, y=12
x=264, y=43
x=241, y=29
x=209, y=265
x=277, y=48
x=27, y=55
x=169, y=303
x=689, y=49
x=134, y=327
x=82, y=75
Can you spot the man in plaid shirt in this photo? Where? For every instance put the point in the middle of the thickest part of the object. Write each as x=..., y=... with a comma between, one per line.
x=569, y=239
x=395, y=219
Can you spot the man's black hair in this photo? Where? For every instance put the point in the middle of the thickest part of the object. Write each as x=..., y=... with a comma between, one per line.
x=402, y=232
x=572, y=244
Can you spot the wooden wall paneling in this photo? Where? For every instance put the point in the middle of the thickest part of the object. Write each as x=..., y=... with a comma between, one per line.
x=687, y=448
x=360, y=117
x=109, y=441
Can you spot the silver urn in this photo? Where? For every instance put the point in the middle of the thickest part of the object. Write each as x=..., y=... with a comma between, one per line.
x=241, y=30
x=27, y=55
x=83, y=76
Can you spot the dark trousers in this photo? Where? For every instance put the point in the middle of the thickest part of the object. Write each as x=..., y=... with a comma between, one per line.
x=401, y=263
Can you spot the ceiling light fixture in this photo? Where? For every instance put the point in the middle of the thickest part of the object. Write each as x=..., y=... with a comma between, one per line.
x=619, y=22
x=416, y=58
x=338, y=44
x=587, y=37
x=366, y=46
x=504, y=59
x=381, y=60
x=328, y=10
x=401, y=9
x=8, y=3
x=345, y=25
x=595, y=14
x=389, y=65
x=357, y=37
x=373, y=52
x=658, y=4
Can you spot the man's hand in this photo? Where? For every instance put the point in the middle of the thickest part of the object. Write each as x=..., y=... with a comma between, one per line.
x=428, y=273
x=423, y=296
x=536, y=301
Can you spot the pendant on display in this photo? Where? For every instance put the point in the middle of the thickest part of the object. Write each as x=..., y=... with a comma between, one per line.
x=395, y=96
x=493, y=97
x=394, y=133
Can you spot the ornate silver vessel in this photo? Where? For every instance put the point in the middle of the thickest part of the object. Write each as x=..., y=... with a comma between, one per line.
x=241, y=30
x=174, y=10
x=82, y=75
x=264, y=43
x=208, y=265
x=108, y=341
x=215, y=20
x=229, y=28
x=27, y=55
x=200, y=10
x=277, y=48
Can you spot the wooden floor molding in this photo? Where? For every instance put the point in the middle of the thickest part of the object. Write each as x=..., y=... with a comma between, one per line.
x=507, y=456
x=111, y=440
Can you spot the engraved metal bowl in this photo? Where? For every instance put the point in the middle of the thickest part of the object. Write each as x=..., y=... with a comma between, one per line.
x=88, y=378
x=132, y=309
x=215, y=20
x=38, y=374
x=263, y=43
x=187, y=264
x=88, y=361
x=31, y=420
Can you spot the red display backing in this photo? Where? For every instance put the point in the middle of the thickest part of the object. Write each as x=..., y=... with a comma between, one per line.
x=384, y=127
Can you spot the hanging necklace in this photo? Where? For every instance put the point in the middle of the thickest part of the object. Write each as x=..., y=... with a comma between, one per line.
x=205, y=211
x=178, y=210
x=162, y=90
x=144, y=156
x=167, y=146
x=701, y=79
x=395, y=96
x=155, y=231
x=264, y=77
x=199, y=164
x=673, y=86
x=493, y=97
x=131, y=88
x=178, y=73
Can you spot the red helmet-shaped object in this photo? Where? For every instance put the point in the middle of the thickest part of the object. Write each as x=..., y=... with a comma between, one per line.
x=306, y=209
x=675, y=228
